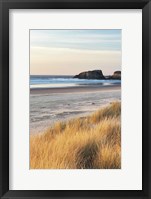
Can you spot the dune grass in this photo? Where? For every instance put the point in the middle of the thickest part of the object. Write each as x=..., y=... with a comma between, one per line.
x=92, y=142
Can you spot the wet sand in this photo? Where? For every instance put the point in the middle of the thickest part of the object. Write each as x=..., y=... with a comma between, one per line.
x=92, y=88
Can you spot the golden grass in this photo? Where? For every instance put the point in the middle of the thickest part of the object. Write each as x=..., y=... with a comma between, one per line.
x=92, y=142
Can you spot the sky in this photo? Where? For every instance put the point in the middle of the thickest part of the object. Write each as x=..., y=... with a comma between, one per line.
x=69, y=52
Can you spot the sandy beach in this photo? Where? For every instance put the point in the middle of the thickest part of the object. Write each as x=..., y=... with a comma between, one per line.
x=57, y=104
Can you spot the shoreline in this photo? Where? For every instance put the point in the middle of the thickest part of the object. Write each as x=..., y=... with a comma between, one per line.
x=92, y=88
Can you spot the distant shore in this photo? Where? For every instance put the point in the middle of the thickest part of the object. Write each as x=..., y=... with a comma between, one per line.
x=92, y=88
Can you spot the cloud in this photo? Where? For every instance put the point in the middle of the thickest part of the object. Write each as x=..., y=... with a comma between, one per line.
x=77, y=39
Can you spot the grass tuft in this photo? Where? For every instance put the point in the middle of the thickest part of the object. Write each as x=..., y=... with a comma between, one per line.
x=92, y=142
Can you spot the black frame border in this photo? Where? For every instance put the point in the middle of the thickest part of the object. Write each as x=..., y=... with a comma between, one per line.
x=5, y=5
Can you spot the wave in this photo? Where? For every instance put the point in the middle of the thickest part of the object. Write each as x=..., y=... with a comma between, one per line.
x=66, y=81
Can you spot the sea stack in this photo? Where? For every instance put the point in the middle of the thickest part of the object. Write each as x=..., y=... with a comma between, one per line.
x=116, y=75
x=94, y=74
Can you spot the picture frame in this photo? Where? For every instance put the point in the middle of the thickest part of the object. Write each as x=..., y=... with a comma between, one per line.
x=5, y=5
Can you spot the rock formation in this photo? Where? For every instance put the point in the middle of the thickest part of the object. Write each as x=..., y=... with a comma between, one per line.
x=116, y=75
x=94, y=74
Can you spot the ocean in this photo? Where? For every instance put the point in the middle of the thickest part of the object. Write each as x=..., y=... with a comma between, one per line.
x=63, y=81
x=48, y=108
